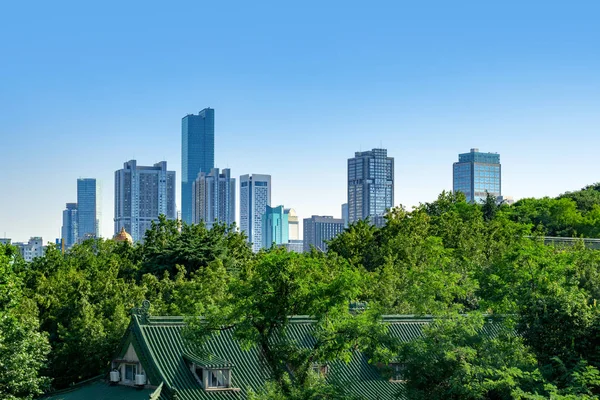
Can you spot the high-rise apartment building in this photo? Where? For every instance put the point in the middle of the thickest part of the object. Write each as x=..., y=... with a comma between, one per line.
x=274, y=226
x=293, y=224
x=319, y=229
x=370, y=185
x=214, y=198
x=197, y=154
x=476, y=174
x=87, y=209
x=141, y=195
x=255, y=196
x=69, y=231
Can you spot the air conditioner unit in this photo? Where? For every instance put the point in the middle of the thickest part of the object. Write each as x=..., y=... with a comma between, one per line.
x=114, y=376
x=140, y=379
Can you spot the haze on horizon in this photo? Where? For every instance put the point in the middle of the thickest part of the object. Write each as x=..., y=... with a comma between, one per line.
x=297, y=89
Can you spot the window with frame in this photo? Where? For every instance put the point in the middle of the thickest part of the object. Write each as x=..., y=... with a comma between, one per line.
x=321, y=369
x=218, y=378
x=130, y=372
x=398, y=371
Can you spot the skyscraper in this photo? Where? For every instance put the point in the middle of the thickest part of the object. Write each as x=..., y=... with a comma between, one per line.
x=274, y=226
x=476, y=173
x=87, y=209
x=293, y=224
x=69, y=226
x=197, y=154
x=214, y=198
x=345, y=214
x=141, y=195
x=255, y=196
x=318, y=229
x=370, y=185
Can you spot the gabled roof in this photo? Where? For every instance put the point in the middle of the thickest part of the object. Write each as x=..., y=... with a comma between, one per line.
x=166, y=357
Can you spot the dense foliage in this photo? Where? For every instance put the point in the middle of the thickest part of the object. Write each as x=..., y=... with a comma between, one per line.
x=62, y=316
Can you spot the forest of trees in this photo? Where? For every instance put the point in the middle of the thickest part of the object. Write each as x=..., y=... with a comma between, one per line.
x=63, y=316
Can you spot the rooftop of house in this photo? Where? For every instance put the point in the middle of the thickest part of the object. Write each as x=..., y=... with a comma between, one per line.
x=165, y=357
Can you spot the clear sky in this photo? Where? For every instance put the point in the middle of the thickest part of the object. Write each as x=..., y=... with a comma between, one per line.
x=297, y=88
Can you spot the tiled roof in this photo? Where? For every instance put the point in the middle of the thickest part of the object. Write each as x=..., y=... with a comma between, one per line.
x=162, y=350
x=101, y=390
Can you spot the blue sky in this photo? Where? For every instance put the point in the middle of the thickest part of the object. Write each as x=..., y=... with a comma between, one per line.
x=297, y=88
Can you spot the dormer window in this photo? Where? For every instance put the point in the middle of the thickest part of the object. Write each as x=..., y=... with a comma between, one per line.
x=320, y=369
x=211, y=372
x=398, y=372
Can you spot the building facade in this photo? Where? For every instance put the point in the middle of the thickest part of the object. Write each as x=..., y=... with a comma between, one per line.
x=142, y=194
x=69, y=231
x=293, y=224
x=275, y=226
x=297, y=246
x=319, y=229
x=476, y=174
x=370, y=185
x=197, y=154
x=32, y=249
x=213, y=198
x=255, y=196
x=87, y=209
x=345, y=214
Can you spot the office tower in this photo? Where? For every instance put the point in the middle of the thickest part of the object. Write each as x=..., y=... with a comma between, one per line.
x=319, y=229
x=197, y=154
x=32, y=249
x=293, y=224
x=274, y=226
x=475, y=174
x=213, y=198
x=370, y=185
x=141, y=195
x=87, y=209
x=69, y=230
x=345, y=214
x=255, y=196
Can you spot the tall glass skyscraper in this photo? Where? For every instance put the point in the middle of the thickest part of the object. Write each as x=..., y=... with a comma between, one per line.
x=370, y=185
x=197, y=154
x=142, y=193
x=87, y=212
x=214, y=198
x=255, y=196
x=69, y=227
x=476, y=174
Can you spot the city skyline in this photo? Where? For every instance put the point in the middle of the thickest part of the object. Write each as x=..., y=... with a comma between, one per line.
x=424, y=82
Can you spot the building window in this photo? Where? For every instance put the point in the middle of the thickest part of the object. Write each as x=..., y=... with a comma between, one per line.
x=320, y=369
x=130, y=372
x=218, y=378
x=397, y=370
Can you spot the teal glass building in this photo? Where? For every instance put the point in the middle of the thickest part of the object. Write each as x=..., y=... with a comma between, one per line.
x=197, y=154
x=476, y=174
x=274, y=227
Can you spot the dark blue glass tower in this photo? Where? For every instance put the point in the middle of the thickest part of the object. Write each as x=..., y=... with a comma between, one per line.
x=476, y=174
x=87, y=226
x=197, y=154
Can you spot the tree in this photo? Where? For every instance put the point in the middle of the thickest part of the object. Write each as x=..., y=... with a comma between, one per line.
x=463, y=357
x=279, y=284
x=23, y=348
